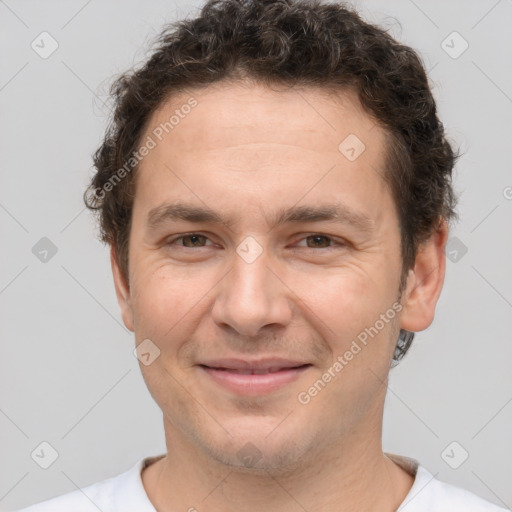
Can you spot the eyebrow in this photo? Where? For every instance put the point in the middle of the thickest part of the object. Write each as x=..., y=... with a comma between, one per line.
x=296, y=214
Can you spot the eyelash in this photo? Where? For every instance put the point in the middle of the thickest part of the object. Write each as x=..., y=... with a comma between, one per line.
x=330, y=238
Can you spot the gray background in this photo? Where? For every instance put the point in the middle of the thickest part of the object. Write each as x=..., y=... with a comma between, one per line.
x=68, y=375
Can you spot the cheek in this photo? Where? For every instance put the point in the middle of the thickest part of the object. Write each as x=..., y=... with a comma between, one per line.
x=163, y=303
x=171, y=308
x=345, y=301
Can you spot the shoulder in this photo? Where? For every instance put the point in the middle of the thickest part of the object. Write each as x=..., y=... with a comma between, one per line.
x=123, y=492
x=432, y=495
x=88, y=499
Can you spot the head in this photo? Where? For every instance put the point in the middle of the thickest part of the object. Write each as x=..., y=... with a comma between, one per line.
x=300, y=149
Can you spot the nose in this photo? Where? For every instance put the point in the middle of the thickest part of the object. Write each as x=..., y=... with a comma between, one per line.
x=252, y=296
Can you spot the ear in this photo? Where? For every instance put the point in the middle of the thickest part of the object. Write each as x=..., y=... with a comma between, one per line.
x=122, y=291
x=425, y=282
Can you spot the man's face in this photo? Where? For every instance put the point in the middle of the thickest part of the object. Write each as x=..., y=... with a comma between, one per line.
x=302, y=291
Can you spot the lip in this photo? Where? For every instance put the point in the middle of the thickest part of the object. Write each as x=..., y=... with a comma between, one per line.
x=272, y=364
x=227, y=373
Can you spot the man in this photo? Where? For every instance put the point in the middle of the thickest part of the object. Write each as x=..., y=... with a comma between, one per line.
x=275, y=188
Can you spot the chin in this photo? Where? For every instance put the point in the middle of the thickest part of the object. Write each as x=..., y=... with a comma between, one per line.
x=258, y=448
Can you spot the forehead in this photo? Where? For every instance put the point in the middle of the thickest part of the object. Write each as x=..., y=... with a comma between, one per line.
x=235, y=113
x=250, y=140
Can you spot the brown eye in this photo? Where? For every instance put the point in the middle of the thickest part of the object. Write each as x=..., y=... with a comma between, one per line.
x=319, y=241
x=195, y=240
x=191, y=240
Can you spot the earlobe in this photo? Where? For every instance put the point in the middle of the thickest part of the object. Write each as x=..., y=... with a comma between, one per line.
x=425, y=282
x=122, y=291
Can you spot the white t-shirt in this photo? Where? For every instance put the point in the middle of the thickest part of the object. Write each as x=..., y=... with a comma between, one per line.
x=126, y=493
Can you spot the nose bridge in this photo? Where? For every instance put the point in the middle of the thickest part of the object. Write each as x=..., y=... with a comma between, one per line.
x=251, y=296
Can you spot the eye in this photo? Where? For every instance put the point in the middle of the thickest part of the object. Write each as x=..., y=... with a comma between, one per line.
x=197, y=240
x=319, y=241
x=189, y=240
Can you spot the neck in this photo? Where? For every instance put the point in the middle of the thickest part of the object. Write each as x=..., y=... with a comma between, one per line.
x=352, y=475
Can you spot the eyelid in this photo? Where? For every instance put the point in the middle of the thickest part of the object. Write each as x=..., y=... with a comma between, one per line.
x=335, y=241
x=174, y=239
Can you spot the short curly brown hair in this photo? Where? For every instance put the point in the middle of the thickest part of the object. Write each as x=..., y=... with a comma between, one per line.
x=286, y=42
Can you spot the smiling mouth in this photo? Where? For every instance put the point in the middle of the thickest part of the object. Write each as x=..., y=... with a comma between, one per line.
x=254, y=381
